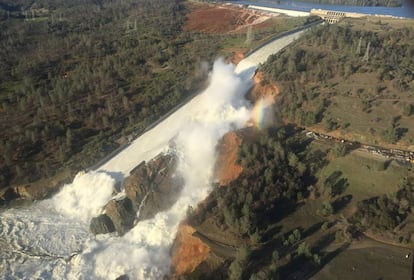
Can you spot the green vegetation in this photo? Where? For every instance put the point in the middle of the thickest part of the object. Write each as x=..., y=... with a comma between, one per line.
x=272, y=186
x=299, y=204
x=261, y=33
x=386, y=212
x=76, y=76
x=354, y=77
x=79, y=78
x=88, y=73
x=295, y=207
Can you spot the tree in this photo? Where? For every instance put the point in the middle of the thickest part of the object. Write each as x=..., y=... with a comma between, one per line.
x=408, y=110
x=297, y=234
x=275, y=255
x=303, y=249
x=327, y=208
x=235, y=270
x=255, y=238
x=236, y=267
x=317, y=259
x=390, y=134
x=243, y=253
x=340, y=149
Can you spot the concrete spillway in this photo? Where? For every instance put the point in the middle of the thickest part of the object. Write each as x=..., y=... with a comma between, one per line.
x=127, y=159
x=260, y=56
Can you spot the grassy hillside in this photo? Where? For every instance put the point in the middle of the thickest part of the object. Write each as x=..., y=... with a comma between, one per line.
x=297, y=206
x=354, y=78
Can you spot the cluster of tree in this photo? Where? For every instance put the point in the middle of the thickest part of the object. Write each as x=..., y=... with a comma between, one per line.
x=74, y=81
x=388, y=211
x=341, y=50
x=310, y=69
x=271, y=181
x=275, y=178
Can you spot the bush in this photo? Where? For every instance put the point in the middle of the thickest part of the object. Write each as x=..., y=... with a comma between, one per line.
x=303, y=249
x=326, y=209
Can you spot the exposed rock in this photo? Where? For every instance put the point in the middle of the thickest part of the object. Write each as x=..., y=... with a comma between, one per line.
x=137, y=184
x=151, y=187
x=188, y=251
x=7, y=194
x=154, y=185
x=101, y=224
x=122, y=214
x=37, y=190
x=123, y=277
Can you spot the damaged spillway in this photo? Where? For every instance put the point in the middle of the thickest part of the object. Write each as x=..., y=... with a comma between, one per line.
x=51, y=239
x=138, y=246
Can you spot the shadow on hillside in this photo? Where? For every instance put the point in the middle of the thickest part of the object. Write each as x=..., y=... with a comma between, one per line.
x=341, y=202
x=304, y=268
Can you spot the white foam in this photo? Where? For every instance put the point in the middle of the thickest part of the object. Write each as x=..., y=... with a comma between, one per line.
x=85, y=196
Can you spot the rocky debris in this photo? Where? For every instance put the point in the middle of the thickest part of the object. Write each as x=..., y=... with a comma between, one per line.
x=188, y=251
x=151, y=187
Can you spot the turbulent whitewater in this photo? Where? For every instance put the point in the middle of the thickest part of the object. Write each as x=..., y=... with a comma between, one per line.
x=51, y=240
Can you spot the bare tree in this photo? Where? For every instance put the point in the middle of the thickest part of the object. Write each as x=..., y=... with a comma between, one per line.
x=366, y=56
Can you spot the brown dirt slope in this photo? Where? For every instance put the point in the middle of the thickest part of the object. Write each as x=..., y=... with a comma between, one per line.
x=263, y=89
x=227, y=169
x=220, y=19
x=189, y=251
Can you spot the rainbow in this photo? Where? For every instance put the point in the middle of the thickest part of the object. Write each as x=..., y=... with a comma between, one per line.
x=258, y=112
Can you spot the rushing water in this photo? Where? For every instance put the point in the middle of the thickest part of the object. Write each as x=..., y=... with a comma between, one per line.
x=51, y=239
x=406, y=10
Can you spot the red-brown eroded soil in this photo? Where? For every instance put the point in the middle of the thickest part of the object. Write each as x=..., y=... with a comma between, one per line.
x=227, y=169
x=236, y=57
x=190, y=251
x=220, y=19
x=263, y=89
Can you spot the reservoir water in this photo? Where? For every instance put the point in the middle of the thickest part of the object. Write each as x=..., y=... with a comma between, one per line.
x=405, y=11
